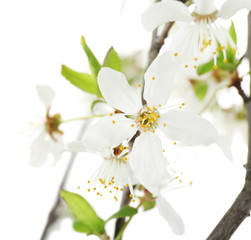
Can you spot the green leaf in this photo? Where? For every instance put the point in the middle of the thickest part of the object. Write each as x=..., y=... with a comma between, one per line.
x=82, y=81
x=83, y=212
x=232, y=32
x=81, y=227
x=95, y=66
x=200, y=88
x=112, y=60
x=147, y=205
x=206, y=67
x=125, y=211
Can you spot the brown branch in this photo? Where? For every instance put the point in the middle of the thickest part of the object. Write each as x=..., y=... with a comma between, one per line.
x=53, y=215
x=242, y=205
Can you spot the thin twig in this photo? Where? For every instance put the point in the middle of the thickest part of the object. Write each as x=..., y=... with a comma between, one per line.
x=241, y=207
x=53, y=215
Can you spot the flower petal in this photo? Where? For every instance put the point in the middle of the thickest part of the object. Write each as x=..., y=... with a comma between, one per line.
x=57, y=147
x=171, y=216
x=163, y=12
x=75, y=147
x=159, y=80
x=39, y=150
x=45, y=94
x=117, y=92
x=230, y=7
x=147, y=161
x=108, y=132
x=188, y=128
x=225, y=147
x=205, y=7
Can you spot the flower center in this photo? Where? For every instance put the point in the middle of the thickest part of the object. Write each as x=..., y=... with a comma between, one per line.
x=147, y=120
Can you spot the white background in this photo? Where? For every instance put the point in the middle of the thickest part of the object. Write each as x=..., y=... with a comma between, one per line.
x=36, y=38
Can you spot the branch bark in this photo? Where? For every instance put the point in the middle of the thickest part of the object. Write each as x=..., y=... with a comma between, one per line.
x=242, y=205
x=53, y=214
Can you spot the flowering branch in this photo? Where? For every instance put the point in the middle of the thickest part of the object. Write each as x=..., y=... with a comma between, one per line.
x=242, y=205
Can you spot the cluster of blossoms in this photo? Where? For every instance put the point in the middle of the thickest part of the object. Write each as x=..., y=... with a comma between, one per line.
x=141, y=161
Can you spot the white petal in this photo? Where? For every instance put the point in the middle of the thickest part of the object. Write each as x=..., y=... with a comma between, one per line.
x=75, y=147
x=230, y=7
x=188, y=128
x=225, y=147
x=40, y=148
x=105, y=134
x=45, y=94
x=159, y=80
x=57, y=147
x=204, y=7
x=117, y=92
x=147, y=161
x=163, y=12
x=171, y=216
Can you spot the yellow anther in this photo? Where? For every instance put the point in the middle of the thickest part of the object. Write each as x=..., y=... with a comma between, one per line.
x=105, y=186
x=180, y=181
x=191, y=183
x=110, y=191
x=139, y=85
x=217, y=49
x=164, y=124
x=132, y=125
x=223, y=47
x=130, y=195
x=180, y=107
x=133, y=200
x=97, y=193
x=88, y=181
x=147, y=108
x=158, y=116
x=153, y=131
x=175, y=54
x=153, y=78
x=215, y=67
x=145, y=117
x=154, y=108
x=174, y=143
x=94, y=189
x=121, y=148
x=100, y=194
x=140, y=119
x=186, y=66
x=225, y=60
x=89, y=190
x=78, y=187
x=142, y=125
x=127, y=185
x=110, y=183
x=159, y=105
x=121, y=189
x=177, y=177
x=183, y=104
x=214, y=53
x=111, y=114
x=125, y=159
x=115, y=198
x=163, y=150
x=234, y=50
x=112, y=178
x=195, y=59
x=127, y=148
x=195, y=66
x=113, y=121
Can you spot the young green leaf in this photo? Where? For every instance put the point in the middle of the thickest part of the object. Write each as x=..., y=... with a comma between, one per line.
x=82, y=81
x=81, y=227
x=232, y=32
x=112, y=60
x=206, y=67
x=125, y=211
x=84, y=213
x=147, y=205
x=200, y=88
x=95, y=66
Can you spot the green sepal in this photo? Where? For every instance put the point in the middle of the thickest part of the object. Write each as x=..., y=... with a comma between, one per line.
x=232, y=33
x=200, y=88
x=112, y=60
x=95, y=66
x=123, y=212
x=95, y=102
x=148, y=205
x=205, y=68
x=84, y=213
x=82, y=81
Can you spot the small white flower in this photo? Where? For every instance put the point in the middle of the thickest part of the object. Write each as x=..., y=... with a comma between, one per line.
x=49, y=140
x=146, y=158
x=200, y=32
x=114, y=173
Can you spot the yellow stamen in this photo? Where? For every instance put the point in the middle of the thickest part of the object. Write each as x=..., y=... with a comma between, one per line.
x=113, y=121
x=139, y=85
